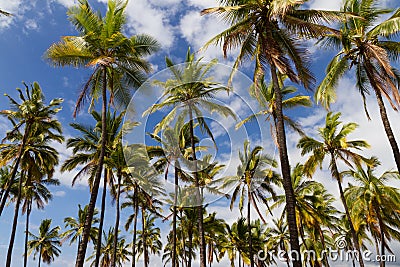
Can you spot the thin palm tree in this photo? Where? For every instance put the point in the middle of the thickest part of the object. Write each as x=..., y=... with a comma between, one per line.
x=377, y=202
x=117, y=63
x=367, y=45
x=253, y=181
x=122, y=255
x=47, y=243
x=268, y=32
x=314, y=211
x=26, y=115
x=335, y=145
x=149, y=238
x=35, y=192
x=265, y=95
x=190, y=91
x=76, y=225
x=38, y=158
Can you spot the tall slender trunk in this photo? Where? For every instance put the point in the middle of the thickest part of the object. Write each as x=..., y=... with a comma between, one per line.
x=144, y=237
x=174, y=258
x=15, y=222
x=190, y=246
x=346, y=208
x=384, y=117
x=382, y=235
x=136, y=208
x=15, y=168
x=40, y=255
x=116, y=227
x=28, y=213
x=285, y=168
x=249, y=228
x=93, y=196
x=202, y=242
x=102, y=213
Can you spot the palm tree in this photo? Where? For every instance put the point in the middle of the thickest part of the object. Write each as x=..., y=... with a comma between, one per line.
x=215, y=232
x=35, y=192
x=47, y=243
x=28, y=115
x=334, y=144
x=267, y=31
x=4, y=13
x=117, y=63
x=38, y=158
x=189, y=90
x=377, y=202
x=314, y=210
x=254, y=178
x=368, y=47
x=278, y=238
x=107, y=251
x=76, y=226
x=148, y=238
x=265, y=95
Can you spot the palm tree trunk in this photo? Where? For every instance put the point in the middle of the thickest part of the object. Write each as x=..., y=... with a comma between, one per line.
x=346, y=208
x=15, y=169
x=15, y=222
x=249, y=228
x=28, y=213
x=145, y=252
x=384, y=117
x=116, y=227
x=285, y=168
x=93, y=196
x=40, y=255
x=174, y=217
x=386, y=125
x=202, y=242
x=382, y=234
x=102, y=213
x=136, y=208
x=190, y=246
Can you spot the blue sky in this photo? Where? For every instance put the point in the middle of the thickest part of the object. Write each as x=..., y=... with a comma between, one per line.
x=176, y=24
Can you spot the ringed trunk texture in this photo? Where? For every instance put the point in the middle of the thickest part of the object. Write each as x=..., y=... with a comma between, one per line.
x=93, y=196
x=285, y=168
x=203, y=256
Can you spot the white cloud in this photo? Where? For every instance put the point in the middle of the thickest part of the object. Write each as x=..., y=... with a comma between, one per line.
x=11, y=6
x=66, y=3
x=31, y=24
x=326, y=5
x=146, y=18
x=59, y=193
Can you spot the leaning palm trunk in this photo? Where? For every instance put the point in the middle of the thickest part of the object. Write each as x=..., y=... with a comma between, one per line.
x=93, y=196
x=116, y=228
x=346, y=208
x=285, y=168
x=102, y=213
x=384, y=117
x=144, y=237
x=28, y=213
x=198, y=196
x=15, y=169
x=15, y=222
